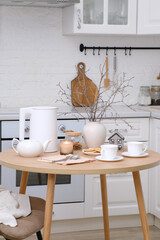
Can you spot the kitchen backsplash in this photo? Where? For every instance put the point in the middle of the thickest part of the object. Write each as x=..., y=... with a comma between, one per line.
x=35, y=57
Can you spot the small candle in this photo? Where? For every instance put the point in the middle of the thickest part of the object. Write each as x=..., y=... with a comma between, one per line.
x=66, y=147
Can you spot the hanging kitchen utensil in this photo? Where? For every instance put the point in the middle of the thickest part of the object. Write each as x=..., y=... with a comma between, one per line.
x=114, y=65
x=158, y=77
x=115, y=62
x=84, y=92
x=106, y=80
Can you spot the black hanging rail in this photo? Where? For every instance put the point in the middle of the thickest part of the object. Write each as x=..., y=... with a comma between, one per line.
x=85, y=48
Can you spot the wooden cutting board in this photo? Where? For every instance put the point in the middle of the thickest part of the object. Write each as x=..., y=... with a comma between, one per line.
x=84, y=92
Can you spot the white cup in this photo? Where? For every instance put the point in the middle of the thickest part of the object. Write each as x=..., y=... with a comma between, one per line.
x=136, y=148
x=109, y=151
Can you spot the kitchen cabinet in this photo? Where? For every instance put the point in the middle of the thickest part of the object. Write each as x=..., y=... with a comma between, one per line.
x=100, y=17
x=148, y=17
x=121, y=193
x=130, y=128
x=154, y=183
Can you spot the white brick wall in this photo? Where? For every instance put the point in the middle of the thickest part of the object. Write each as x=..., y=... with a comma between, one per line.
x=35, y=56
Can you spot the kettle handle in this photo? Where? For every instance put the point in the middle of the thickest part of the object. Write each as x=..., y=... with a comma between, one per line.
x=13, y=142
x=23, y=113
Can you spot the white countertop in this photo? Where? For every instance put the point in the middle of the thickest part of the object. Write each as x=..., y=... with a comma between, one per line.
x=9, y=114
x=68, y=112
x=154, y=110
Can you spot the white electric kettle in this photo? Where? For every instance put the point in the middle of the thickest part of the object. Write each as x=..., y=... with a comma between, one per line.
x=43, y=125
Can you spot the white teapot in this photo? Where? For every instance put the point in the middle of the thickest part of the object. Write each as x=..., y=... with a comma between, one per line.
x=29, y=148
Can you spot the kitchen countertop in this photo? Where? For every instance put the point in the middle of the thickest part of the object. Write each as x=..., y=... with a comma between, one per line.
x=154, y=110
x=9, y=113
x=69, y=112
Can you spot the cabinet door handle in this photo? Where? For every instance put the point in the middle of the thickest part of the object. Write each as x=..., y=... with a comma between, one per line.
x=119, y=174
x=120, y=130
x=123, y=130
x=111, y=130
x=78, y=19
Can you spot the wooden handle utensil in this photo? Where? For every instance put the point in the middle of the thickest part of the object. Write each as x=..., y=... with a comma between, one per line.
x=158, y=78
x=106, y=80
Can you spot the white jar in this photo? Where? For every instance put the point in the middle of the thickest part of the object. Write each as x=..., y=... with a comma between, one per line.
x=144, y=97
x=76, y=138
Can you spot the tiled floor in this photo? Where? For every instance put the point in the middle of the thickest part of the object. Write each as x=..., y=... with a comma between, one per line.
x=115, y=234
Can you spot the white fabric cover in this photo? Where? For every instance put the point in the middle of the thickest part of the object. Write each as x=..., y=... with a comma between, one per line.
x=12, y=206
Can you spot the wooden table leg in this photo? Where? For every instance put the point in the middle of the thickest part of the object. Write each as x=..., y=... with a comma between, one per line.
x=141, y=205
x=23, y=184
x=105, y=206
x=49, y=206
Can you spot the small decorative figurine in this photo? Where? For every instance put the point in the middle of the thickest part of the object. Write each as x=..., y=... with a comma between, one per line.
x=118, y=139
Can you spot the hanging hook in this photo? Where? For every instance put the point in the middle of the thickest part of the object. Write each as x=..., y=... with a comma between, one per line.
x=85, y=51
x=93, y=50
x=130, y=51
x=106, y=51
x=125, y=51
x=114, y=51
x=99, y=49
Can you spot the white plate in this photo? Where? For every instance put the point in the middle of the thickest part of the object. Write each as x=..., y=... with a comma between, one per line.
x=90, y=153
x=117, y=158
x=126, y=154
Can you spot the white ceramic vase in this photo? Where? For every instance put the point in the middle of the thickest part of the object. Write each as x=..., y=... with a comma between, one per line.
x=94, y=134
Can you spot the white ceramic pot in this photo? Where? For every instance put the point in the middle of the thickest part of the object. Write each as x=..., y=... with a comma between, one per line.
x=94, y=134
x=29, y=148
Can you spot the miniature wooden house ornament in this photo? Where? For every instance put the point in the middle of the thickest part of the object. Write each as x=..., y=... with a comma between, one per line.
x=118, y=139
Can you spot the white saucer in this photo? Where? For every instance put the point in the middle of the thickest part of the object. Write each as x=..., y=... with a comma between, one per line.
x=126, y=154
x=90, y=153
x=117, y=158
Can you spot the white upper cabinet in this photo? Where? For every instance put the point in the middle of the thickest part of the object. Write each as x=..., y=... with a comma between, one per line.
x=148, y=17
x=100, y=17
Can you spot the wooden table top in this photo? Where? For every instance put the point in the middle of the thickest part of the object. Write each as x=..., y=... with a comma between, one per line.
x=12, y=160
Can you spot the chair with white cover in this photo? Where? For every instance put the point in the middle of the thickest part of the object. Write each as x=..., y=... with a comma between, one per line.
x=26, y=226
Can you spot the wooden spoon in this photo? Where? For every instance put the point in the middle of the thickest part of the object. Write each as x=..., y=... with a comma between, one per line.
x=158, y=78
x=106, y=80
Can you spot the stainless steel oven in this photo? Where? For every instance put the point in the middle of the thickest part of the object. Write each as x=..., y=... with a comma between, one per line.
x=69, y=188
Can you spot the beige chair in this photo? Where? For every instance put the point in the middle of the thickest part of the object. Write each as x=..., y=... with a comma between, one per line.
x=26, y=226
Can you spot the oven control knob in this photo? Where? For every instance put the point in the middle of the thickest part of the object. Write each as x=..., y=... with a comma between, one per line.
x=26, y=129
x=62, y=128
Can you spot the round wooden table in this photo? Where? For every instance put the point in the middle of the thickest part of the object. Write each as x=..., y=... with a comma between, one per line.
x=10, y=159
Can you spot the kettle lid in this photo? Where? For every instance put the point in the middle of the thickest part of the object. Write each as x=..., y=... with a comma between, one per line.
x=44, y=108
